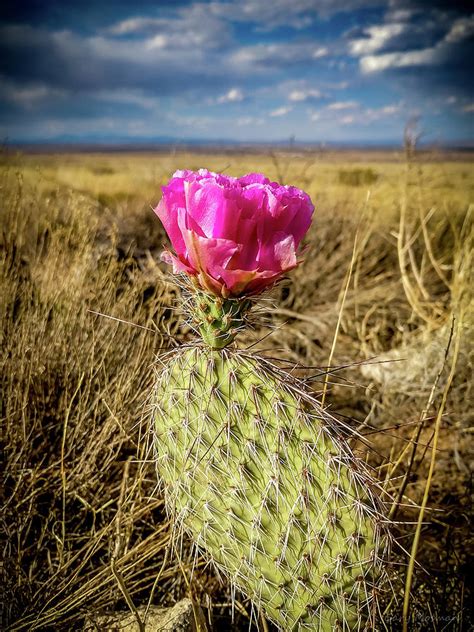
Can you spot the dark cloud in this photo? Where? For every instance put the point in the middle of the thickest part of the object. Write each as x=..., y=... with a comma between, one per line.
x=79, y=14
x=451, y=6
x=68, y=107
x=66, y=60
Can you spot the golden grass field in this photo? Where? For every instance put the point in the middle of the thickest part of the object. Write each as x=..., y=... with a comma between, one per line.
x=384, y=298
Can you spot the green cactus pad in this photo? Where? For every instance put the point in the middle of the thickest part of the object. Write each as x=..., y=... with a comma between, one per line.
x=260, y=477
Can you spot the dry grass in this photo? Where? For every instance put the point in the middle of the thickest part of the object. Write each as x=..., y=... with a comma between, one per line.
x=84, y=531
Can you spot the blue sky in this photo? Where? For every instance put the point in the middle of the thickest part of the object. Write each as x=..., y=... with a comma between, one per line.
x=345, y=71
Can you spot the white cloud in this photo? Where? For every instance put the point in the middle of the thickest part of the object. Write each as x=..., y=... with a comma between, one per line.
x=132, y=26
x=395, y=14
x=390, y=109
x=305, y=95
x=314, y=116
x=339, y=85
x=132, y=97
x=190, y=26
x=249, y=121
x=377, y=37
x=295, y=13
x=157, y=41
x=193, y=122
x=468, y=108
x=265, y=55
x=234, y=95
x=460, y=30
x=386, y=111
x=299, y=90
x=376, y=63
x=343, y=105
x=281, y=111
x=347, y=120
x=322, y=51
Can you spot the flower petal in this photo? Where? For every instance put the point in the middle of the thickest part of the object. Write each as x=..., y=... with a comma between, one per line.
x=178, y=265
x=168, y=216
x=213, y=208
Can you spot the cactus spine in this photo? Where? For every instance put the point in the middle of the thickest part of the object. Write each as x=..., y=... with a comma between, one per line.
x=264, y=482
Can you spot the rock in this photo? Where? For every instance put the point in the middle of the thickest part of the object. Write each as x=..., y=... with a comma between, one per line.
x=179, y=618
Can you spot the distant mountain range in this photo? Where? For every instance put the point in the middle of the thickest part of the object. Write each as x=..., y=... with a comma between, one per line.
x=69, y=143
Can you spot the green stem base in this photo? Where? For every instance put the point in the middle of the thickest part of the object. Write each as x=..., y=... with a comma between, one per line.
x=219, y=319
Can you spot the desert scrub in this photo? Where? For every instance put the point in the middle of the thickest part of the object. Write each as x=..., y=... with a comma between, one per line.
x=254, y=469
x=357, y=177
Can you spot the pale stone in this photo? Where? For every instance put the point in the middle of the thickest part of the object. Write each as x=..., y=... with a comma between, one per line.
x=180, y=618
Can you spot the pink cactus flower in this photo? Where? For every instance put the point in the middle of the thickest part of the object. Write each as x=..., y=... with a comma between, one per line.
x=236, y=236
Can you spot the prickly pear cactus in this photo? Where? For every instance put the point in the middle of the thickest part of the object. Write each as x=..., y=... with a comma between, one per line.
x=256, y=473
x=254, y=470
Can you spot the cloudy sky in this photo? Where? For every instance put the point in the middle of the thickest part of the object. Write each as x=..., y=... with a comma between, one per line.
x=254, y=70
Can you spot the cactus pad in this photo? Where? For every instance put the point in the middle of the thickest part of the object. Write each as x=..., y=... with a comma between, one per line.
x=262, y=479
